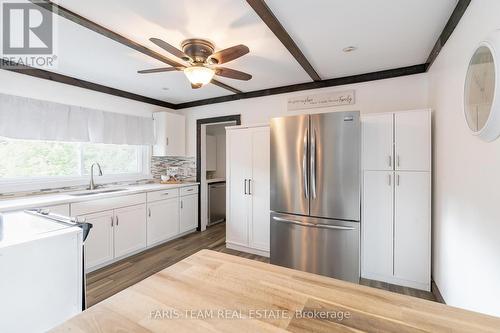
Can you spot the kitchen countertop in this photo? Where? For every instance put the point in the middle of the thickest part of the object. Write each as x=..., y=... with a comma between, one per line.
x=215, y=180
x=216, y=292
x=66, y=197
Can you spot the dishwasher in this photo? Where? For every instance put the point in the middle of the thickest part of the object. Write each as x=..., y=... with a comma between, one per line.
x=216, y=203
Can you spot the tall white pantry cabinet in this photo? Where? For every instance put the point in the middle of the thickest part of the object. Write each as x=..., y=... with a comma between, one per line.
x=396, y=203
x=248, y=189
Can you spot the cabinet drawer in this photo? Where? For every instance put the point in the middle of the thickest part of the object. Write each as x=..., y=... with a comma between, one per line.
x=162, y=195
x=189, y=190
x=99, y=205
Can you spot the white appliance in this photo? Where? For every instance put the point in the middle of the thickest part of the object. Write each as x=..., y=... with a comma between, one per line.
x=396, y=210
x=41, y=271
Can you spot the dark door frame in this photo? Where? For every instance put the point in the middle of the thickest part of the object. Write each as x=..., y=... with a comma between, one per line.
x=199, y=122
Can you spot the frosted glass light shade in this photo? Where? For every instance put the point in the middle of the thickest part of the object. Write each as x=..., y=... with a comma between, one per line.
x=199, y=74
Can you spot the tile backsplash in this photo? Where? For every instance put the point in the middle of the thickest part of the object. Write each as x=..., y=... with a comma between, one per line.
x=186, y=166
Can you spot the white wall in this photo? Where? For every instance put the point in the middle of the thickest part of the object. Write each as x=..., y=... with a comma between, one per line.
x=404, y=93
x=466, y=230
x=219, y=131
x=221, y=155
x=27, y=86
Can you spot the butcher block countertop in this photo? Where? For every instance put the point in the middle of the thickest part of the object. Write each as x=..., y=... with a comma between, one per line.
x=216, y=292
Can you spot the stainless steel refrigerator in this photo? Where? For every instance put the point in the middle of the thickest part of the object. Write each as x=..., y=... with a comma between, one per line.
x=315, y=193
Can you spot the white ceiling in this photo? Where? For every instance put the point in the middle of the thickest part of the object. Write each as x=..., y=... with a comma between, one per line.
x=388, y=33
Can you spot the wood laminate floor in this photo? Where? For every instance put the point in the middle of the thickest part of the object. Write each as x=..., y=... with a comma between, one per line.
x=112, y=279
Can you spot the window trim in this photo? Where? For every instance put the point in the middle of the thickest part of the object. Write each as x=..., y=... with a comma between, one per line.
x=13, y=185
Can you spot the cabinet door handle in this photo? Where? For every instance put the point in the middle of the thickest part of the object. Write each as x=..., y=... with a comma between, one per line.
x=167, y=141
x=390, y=180
x=149, y=212
x=182, y=205
x=246, y=186
x=112, y=221
x=250, y=187
x=116, y=220
x=397, y=160
x=304, y=164
x=397, y=180
x=389, y=158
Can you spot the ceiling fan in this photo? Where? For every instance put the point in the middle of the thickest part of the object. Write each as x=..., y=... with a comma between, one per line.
x=203, y=60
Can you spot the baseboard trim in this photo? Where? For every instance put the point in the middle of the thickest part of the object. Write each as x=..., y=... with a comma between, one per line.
x=436, y=292
x=396, y=281
x=125, y=256
x=247, y=249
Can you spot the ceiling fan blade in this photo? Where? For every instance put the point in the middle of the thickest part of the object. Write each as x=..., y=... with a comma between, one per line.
x=196, y=86
x=159, y=70
x=229, y=54
x=232, y=73
x=170, y=49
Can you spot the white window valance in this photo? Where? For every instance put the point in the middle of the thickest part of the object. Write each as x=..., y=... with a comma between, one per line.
x=32, y=119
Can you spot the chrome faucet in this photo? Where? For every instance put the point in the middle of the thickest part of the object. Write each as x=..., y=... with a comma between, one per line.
x=92, y=185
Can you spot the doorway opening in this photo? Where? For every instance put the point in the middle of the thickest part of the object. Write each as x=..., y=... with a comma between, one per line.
x=211, y=168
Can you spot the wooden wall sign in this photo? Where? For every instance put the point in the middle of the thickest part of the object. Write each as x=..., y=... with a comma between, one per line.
x=321, y=100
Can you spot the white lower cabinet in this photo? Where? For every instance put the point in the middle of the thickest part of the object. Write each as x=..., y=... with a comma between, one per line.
x=114, y=234
x=163, y=220
x=125, y=225
x=412, y=228
x=377, y=223
x=188, y=212
x=396, y=227
x=99, y=247
x=129, y=230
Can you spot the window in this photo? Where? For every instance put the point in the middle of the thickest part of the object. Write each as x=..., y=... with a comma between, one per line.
x=31, y=160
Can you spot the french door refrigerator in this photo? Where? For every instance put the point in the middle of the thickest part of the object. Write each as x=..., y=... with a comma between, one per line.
x=315, y=193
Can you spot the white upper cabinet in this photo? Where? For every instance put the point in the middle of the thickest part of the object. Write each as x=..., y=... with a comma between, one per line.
x=170, y=134
x=211, y=153
x=412, y=140
x=378, y=142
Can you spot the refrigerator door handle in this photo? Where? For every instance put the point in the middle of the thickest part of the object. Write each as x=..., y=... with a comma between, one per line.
x=304, y=165
x=313, y=163
x=323, y=226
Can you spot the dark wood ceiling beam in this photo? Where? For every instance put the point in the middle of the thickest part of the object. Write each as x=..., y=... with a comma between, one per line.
x=225, y=86
x=450, y=26
x=445, y=35
x=391, y=73
x=86, y=23
x=265, y=13
x=47, y=75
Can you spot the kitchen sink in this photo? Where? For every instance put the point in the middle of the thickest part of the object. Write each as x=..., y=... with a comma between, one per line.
x=81, y=194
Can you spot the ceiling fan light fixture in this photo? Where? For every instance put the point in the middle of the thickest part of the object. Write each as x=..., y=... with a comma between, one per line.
x=199, y=74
